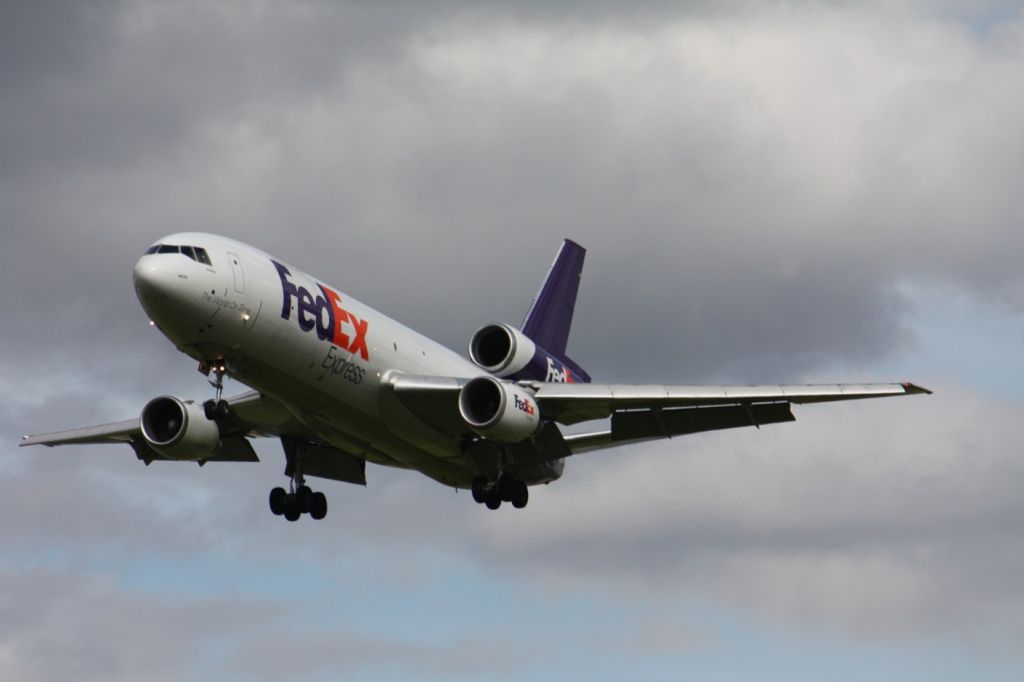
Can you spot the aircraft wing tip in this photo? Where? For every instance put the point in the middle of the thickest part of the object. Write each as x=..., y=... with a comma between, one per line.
x=912, y=388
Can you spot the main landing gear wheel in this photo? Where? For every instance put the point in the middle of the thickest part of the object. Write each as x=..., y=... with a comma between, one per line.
x=318, y=506
x=291, y=509
x=506, y=485
x=304, y=495
x=492, y=499
x=520, y=495
x=293, y=505
x=278, y=500
x=300, y=498
x=479, y=489
x=507, y=489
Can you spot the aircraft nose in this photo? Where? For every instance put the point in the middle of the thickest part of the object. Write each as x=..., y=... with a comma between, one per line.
x=153, y=280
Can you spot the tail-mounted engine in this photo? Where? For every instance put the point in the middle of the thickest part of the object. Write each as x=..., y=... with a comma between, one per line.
x=501, y=350
x=506, y=352
x=499, y=410
x=179, y=430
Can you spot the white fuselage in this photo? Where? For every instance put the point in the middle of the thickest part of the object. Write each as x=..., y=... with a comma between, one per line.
x=318, y=352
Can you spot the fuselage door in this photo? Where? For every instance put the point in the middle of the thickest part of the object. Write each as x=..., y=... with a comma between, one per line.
x=236, y=270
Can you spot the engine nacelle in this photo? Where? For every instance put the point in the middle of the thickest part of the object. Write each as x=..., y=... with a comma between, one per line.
x=501, y=350
x=499, y=410
x=506, y=352
x=179, y=430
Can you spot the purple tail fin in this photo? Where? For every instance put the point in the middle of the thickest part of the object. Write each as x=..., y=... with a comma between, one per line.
x=550, y=317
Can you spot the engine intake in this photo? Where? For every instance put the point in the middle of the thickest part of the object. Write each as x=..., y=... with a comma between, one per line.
x=499, y=410
x=500, y=349
x=179, y=430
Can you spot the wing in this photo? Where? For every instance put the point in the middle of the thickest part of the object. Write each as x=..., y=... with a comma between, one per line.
x=640, y=413
x=251, y=414
x=643, y=412
x=118, y=432
x=573, y=403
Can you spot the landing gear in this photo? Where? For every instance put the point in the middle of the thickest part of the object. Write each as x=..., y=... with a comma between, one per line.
x=302, y=500
x=299, y=499
x=218, y=408
x=520, y=495
x=493, y=499
x=278, y=501
x=507, y=489
x=480, y=488
x=318, y=506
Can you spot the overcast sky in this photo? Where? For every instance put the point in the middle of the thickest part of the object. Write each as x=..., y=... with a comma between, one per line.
x=797, y=191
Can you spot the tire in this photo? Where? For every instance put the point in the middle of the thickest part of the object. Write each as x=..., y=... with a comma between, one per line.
x=278, y=497
x=305, y=497
x=291, y=508
x=222, y=410
x=506, y=488
x=479, y=489
x=521, y=495
x=318, y=506
x=210, y=410
x=493, y=500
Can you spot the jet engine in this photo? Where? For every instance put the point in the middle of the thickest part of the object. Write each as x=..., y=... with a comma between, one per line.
x=179, y=430
x=501, y=350
x=499, y=410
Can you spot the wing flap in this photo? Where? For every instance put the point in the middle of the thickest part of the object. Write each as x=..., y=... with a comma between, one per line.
x=634, y=426
x=574, y=403
x=666, y=423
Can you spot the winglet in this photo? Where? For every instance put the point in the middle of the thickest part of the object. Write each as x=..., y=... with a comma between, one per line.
x=912, y=389
x=550, y=316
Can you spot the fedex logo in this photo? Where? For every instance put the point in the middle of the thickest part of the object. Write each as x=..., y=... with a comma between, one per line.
x=323, y=313
x=523, y=405
x=559, y=375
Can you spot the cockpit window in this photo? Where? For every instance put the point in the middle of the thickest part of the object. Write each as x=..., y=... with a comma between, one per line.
x=196, y=253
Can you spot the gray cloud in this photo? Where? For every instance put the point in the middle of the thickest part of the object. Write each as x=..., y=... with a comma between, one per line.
x=54, y=626
x=913, y=533
x=753, y=205
x=754, y=183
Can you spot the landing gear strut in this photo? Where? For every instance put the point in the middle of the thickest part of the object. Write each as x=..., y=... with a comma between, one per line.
x=506, y=489
x=299, y=499
x=218, y=408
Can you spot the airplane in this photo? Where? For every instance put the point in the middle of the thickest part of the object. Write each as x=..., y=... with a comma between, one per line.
x=341, y=384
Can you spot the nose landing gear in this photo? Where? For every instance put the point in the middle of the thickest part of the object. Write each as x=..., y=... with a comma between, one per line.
x=218, y=408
